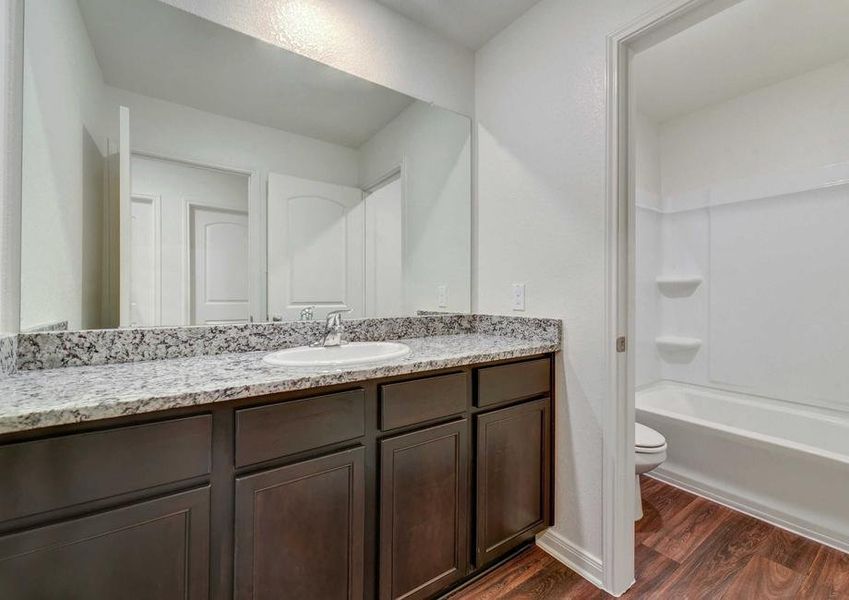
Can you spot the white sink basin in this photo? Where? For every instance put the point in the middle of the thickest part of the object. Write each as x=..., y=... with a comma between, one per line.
x=351, y=354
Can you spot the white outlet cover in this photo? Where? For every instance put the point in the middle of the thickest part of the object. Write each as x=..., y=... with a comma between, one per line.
x=442, y=296
x=518, y=296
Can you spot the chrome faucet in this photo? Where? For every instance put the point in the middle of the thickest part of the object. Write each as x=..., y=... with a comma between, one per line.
x=306, y=313
x=334, y=330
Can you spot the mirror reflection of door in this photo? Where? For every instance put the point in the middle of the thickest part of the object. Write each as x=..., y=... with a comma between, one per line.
x=384, y=250
x=315, y=247
x=188, y=245
x=218, y=281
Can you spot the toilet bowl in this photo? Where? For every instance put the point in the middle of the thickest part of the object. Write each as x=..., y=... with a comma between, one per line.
x=650, y=449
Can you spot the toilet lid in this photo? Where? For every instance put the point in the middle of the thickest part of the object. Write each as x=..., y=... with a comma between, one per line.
x=646, y=437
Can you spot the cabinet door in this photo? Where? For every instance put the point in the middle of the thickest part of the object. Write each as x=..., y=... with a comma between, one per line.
x=513, y=477
x=155, y=549
x=299, y=530
x=423, y=511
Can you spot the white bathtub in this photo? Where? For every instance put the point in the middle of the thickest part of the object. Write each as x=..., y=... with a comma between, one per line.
x=782, y=463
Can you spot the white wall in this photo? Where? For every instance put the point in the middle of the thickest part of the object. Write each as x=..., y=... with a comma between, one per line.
x=62, y=183
x=540, y=105
x=360, y=37
x=745, y=207
x=797, y=124
x=176, y=130
x=435, y=147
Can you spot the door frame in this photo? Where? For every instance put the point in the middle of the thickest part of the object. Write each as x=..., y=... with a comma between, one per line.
x=619, y=412
x=256, y=230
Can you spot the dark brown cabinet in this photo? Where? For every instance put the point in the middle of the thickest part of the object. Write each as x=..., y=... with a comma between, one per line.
x=299, y=530
x=67, y=470
x=513, y=477
x=153, y=549
x=423, y=511
x=399, y=488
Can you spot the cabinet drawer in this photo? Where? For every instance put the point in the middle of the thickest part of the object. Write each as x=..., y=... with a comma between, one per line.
x=71, y=469
x=267, y=432
x=514, y=381
x=420, y=400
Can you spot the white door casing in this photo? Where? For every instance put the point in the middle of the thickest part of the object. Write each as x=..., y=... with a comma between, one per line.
x=618, y=414
x=124, y=216
x=315, y=247
x=219, y=274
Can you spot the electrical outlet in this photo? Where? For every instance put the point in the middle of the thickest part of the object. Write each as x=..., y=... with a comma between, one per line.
x=442, y=296
x=518, y=296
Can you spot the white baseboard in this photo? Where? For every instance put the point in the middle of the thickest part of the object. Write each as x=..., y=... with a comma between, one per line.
x=582, y=562
x=745, y=506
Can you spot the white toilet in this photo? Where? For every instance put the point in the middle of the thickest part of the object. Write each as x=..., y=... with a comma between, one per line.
x=650, y=447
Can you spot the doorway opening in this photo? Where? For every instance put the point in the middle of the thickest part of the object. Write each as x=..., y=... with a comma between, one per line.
x=618, y=450
x=189, y=250
x=729, y=157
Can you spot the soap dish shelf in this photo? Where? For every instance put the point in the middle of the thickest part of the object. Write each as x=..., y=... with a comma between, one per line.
x=675, y=344
x=676, y=287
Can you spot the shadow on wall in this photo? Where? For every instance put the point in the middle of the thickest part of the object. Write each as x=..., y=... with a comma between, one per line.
x=93, y=207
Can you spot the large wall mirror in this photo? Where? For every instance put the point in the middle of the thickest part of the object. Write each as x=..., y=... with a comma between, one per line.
x=176, y=172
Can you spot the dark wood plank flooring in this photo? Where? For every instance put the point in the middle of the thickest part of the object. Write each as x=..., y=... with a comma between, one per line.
x=687, y=548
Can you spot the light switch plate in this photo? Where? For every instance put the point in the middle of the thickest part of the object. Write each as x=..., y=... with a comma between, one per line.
x=518, y=296
x=442, y=296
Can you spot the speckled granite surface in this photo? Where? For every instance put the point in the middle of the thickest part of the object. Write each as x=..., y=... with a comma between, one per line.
x=42, y=398
x=48, y=350
x=44, y=327
x=8, y=352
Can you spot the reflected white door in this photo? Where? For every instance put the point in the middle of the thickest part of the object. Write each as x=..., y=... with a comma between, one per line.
x=315, y=247
x=384, y=251
x=145, y=262
x=220, y=274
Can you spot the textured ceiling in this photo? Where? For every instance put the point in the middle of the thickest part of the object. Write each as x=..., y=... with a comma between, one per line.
x=468, y=22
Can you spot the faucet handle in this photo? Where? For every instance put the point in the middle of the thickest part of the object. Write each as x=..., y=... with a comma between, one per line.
x=339, y=311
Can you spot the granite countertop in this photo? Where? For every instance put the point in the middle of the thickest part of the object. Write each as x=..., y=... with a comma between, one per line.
x=44, y=398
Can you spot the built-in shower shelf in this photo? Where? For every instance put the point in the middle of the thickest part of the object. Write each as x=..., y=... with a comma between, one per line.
x=677, y=286
x=674, y=343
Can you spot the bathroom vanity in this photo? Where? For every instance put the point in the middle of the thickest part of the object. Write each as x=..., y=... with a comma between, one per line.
x=388, y=486
x=226, y=196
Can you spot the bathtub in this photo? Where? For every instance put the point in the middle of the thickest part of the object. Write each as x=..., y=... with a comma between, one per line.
x=778, y=462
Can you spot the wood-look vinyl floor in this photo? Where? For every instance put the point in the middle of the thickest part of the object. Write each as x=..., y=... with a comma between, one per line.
x=687, y=548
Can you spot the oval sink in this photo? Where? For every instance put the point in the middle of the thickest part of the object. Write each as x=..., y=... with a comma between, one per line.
x=351, y=354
